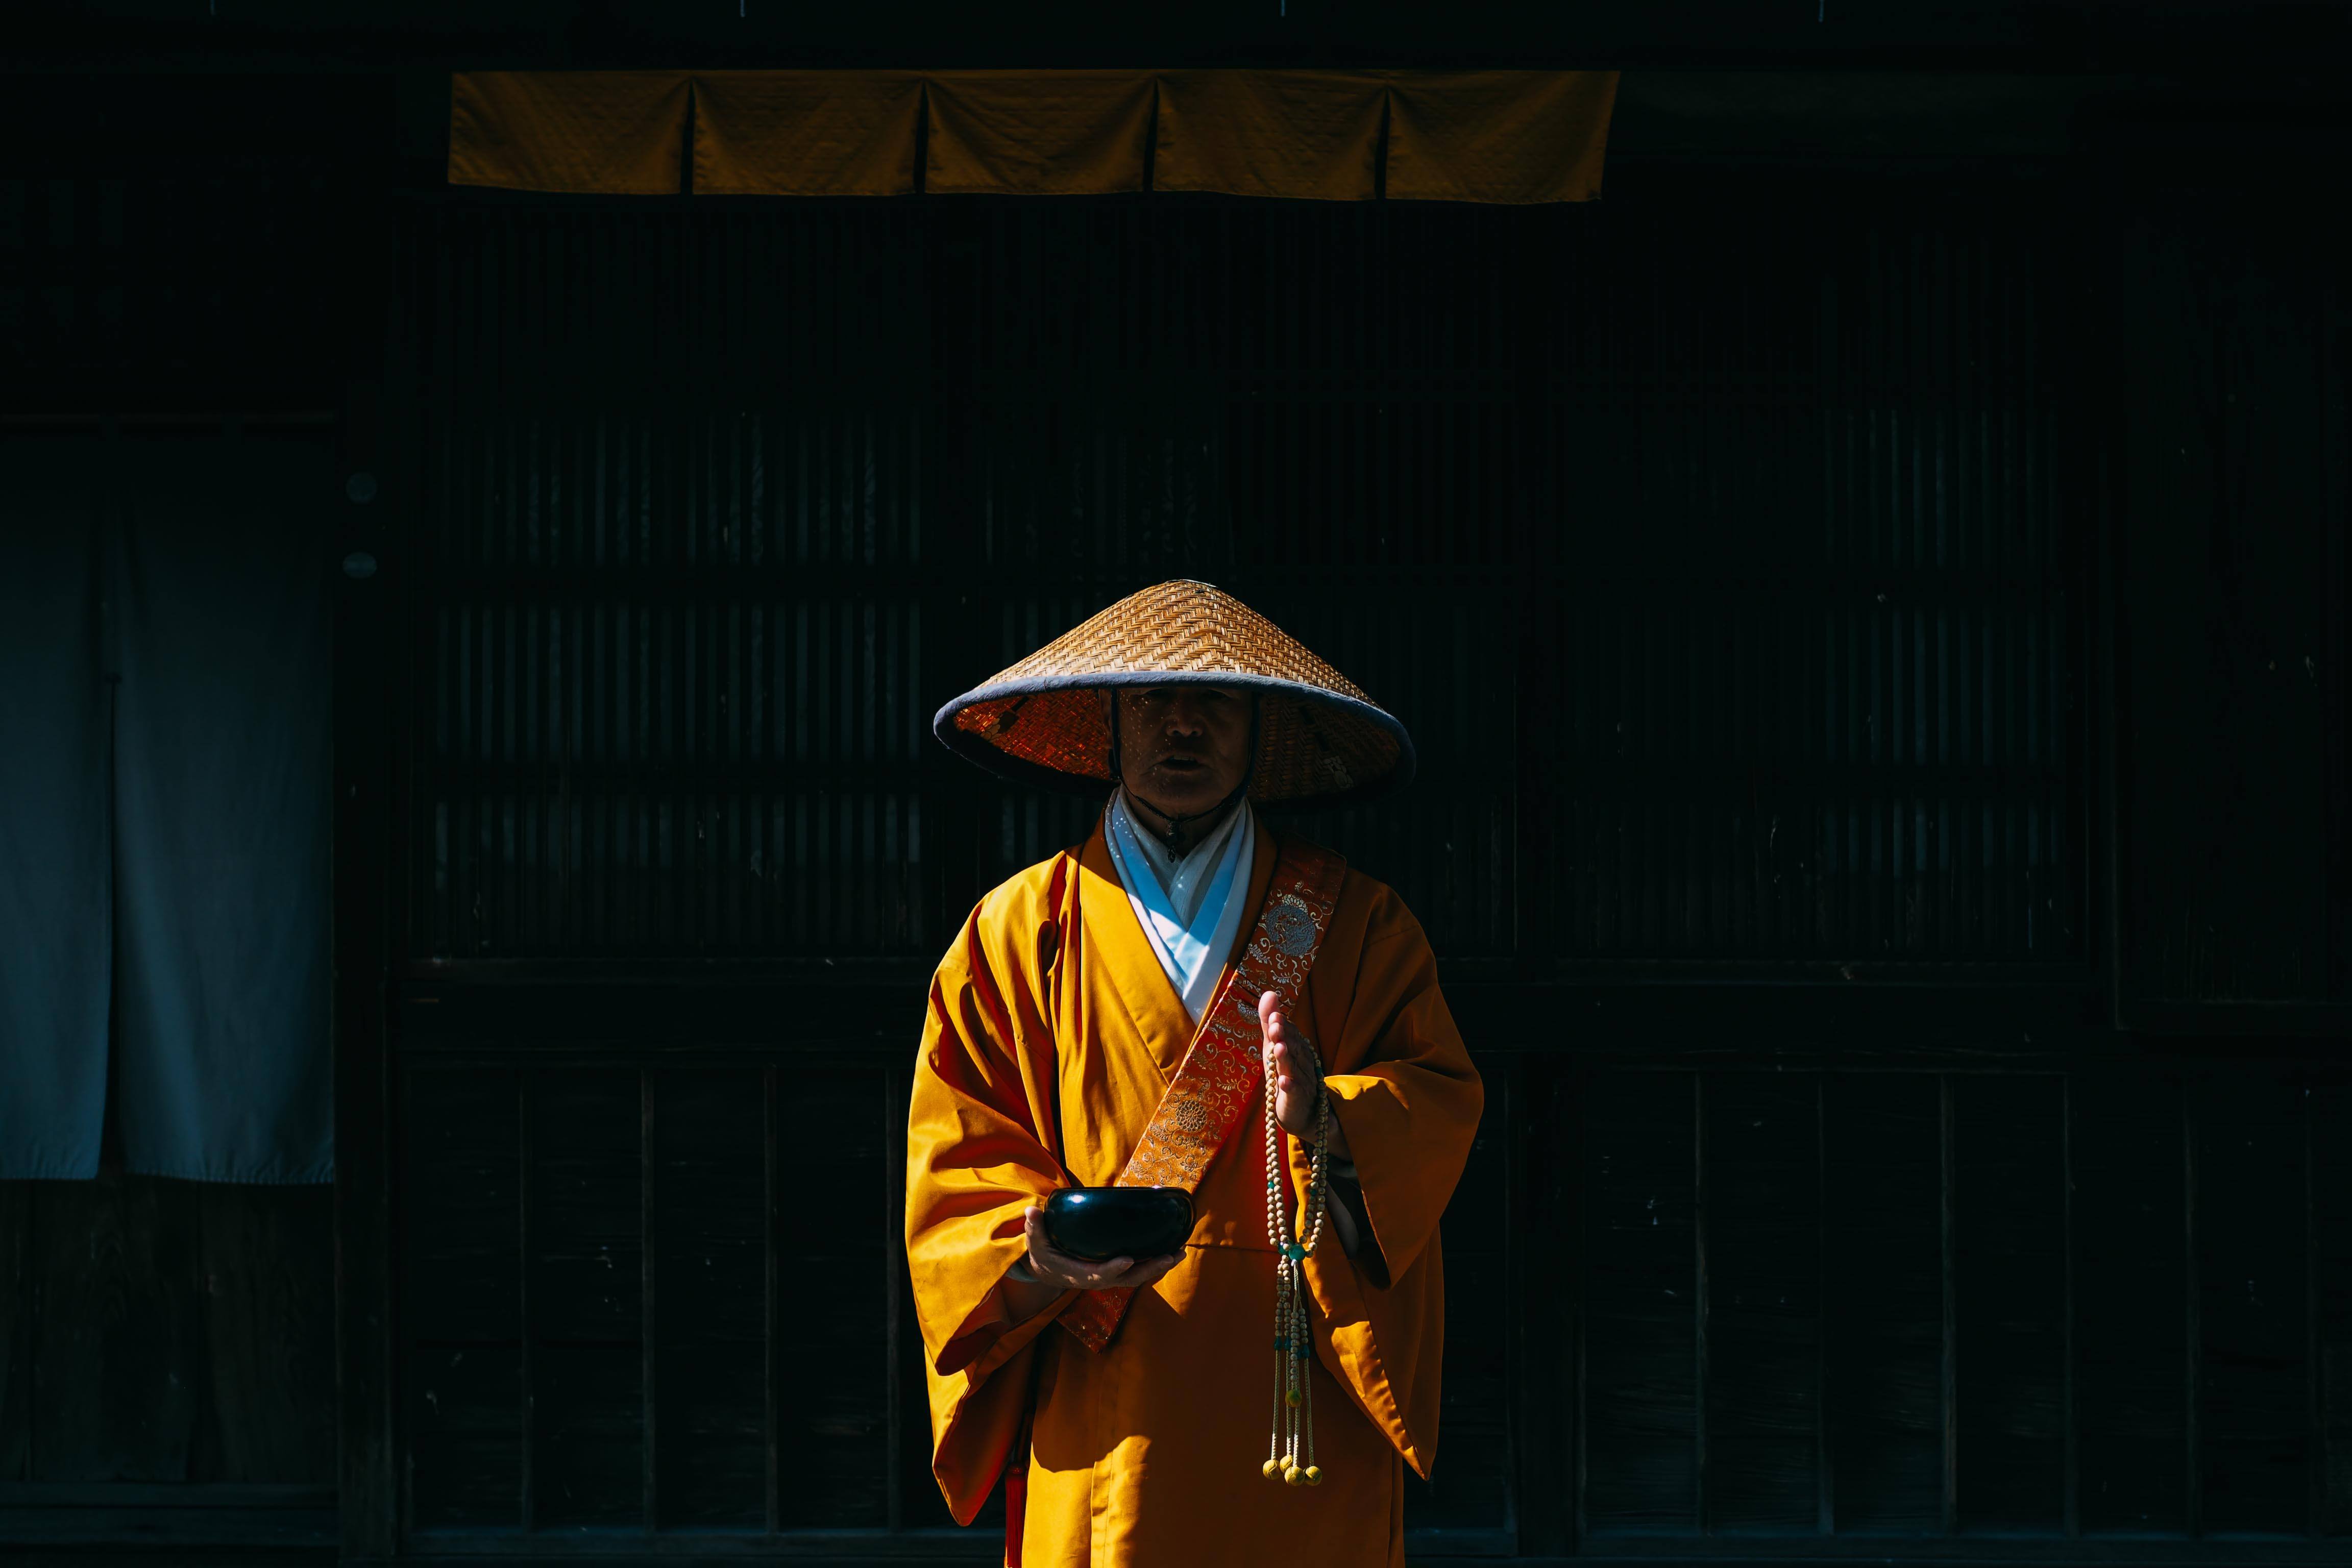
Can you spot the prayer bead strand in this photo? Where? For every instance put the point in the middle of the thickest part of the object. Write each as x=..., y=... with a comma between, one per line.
x=1290, y=1444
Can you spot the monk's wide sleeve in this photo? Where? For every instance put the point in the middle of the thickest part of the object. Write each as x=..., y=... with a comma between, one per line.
x=979, y=1150
x=1404, y=1090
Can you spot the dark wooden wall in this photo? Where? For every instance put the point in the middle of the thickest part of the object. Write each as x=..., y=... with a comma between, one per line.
x=1878, y=646
x=1801, y=624
x=166, y=1355
x=2230, y=506
x=171, y=270
x=1757, y=581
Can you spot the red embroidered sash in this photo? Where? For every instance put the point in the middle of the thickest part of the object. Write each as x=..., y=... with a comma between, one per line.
x=1217, y=1082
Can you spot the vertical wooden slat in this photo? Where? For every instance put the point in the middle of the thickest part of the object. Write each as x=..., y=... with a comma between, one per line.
x=527, y=1384
x=2315, y=1356
x=648, y=1338
x=587, y=1298
x=2332, y=1224
x=1824, y=1470
x=673, y=717
x=2130, y=1301
x=2070, y=1415
x=711, y=1337
x=773, y=1316
x=1700, y=1304
x=1761, y=1159
x=1539, y=1310
x=2008, y=1293
x=1948, y=1154
x=896, y=1088
x=462, y=1307
x=1580, y=1437
x=2335, y=720
x=2193, y=1308
x=1640, y=1440
x=2251, y=1247
x=17, y=1297
x=1511, y=1221
x=505, y=698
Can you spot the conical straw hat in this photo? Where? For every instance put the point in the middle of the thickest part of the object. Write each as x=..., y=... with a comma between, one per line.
x=1319, y=738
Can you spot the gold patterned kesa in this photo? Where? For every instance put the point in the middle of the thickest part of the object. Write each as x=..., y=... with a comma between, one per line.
x=1217, y=1080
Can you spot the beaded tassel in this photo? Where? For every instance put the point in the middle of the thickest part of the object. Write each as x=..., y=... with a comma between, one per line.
x=1290, y=1442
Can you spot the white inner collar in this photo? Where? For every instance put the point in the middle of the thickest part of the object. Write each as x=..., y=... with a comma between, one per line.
x=1190, y=907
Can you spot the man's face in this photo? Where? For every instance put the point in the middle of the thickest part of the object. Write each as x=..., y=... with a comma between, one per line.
x=1183, y=748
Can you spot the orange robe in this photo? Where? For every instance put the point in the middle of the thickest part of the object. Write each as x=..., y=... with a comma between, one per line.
x=1047, y=1047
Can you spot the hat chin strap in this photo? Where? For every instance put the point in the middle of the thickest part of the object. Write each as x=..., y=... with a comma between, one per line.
x=1176, y=825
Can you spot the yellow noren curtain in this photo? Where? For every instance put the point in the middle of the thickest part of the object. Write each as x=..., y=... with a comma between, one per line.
x=1499, y=136
x=608, y=132
x=1075, y=133
x=805, y=133
x=1271, y=133
x=1333, y=135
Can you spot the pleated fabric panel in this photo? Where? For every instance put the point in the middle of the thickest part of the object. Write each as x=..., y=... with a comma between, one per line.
x=1513, y=137
x=223, y=812
x=55, y=898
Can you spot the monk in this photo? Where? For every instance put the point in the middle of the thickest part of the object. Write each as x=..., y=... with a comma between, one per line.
x=1107, y=1015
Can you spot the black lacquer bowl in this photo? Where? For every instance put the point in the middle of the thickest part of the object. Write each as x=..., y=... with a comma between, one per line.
x=1098, y=1223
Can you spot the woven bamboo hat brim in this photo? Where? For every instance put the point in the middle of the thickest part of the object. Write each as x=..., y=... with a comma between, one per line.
x=1319, y=738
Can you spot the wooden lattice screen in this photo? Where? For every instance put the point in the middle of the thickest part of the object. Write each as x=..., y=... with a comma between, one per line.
x=1730, y=564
